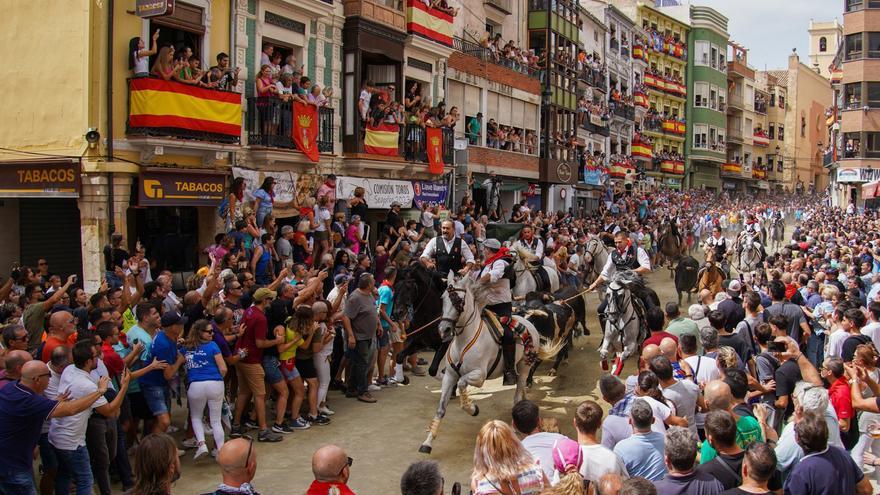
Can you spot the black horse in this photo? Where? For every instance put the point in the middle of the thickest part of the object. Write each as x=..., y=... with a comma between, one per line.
x=417, y=300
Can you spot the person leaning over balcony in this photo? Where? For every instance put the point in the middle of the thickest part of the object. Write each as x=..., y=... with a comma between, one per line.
x=139, y=56
x=317, y=98
x=165, y=67
x=221, y=75
x=451, y=118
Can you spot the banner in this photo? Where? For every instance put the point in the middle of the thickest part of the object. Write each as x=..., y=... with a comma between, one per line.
x=180, y=187
x=434, y=143
x=504, y=231
x=428, y=22
x=170, y=104
x=382, y=139
x=596, y=120
x=305, y=129
x=289, y=186
x=641, y=149
x=433, y=193
x=378, y=193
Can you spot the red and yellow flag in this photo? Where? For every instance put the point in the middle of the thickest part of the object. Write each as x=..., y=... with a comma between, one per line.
x=428, y=22
x=382, y=139
x=170, y=104
x=641, y=149
x=434, y=138
x=305, y=129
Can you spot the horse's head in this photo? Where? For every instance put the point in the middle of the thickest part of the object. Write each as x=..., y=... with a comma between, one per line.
x=459, y=306
x=710, y=255
x=406, y=294
x=616, y=295
x=522, y=256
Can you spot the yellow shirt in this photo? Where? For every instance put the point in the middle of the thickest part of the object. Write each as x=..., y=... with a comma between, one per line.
x=291, y=335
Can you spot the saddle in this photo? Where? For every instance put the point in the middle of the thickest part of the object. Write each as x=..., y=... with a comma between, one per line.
x=496, y=330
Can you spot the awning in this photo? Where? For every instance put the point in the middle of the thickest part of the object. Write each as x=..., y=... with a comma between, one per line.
x=871, y=190
x=507, y=183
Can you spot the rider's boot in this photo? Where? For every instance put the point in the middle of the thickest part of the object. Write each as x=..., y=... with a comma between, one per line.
x=508, y=352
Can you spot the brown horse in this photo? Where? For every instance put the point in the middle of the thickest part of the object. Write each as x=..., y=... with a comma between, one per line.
x=710, y=276
x=672, y=247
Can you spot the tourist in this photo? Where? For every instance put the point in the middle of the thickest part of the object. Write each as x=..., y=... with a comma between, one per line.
x=502, y=463
x=527, y=422
x=422, y=478
x=156, y=465
x=643, y=452
x=598, y=460
x=332, y=469
x=681, y=456
x=238, y=466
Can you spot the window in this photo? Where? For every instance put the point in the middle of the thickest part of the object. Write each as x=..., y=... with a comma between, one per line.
x=713, y=136
x=772, y=99
x=760, y=161
x=873, y=94
x=852, y=145
x=713, y=55
x=803, y=126
x=771, y=131
x=713, y=98
x=779, y=166
x=823, y=44
x=873, y=45
x=781, y=129
x=853, y=5
x=853, y=46
x=781, y=101
x=702, y=49
x=852, y=95
x=872, y=150
x=701, y=94
x=700, y=136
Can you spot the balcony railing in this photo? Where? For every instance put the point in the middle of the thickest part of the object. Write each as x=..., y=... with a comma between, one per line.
x=761, y=106
x=486, y=55
x=593, y=78
x=734, y=133
x=415, y=148
x=614, y=44
x=201, y=114
x=624, y=51
x=736, y=100
x=624, y=111
x=592, y=128
x=270, y=124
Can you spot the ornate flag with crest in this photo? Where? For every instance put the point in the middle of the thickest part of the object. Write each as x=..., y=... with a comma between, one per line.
x=305, y=129
x=434, y=137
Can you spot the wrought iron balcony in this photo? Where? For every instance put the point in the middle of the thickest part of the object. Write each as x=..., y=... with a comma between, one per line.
x=270, y=124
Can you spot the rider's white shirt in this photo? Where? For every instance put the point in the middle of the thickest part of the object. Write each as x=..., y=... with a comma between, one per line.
x=431, y=249
x=609, y=269
x=713, y=242
x=499, y=287
x=536, y=248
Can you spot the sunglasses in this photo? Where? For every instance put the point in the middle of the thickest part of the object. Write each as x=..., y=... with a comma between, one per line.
x=348, y=463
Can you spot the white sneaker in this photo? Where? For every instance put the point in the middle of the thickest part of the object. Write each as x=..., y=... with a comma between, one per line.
x=201, y=452
x=190, y=443
x=326, y=411
x=374, y=388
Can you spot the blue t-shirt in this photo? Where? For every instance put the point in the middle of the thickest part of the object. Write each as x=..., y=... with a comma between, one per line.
x=386, y=297
x=200, y=363
x=162, y=349
x=832, y=472
x=22, y=413
x=642, y=455
x=134, y=335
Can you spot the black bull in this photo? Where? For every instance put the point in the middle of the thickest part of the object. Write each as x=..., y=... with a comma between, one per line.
x=418, y=300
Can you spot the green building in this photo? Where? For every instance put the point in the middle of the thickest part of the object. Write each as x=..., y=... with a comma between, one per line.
x=707, y=98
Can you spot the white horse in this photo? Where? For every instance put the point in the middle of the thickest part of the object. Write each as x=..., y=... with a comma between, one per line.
x=749, y=256
x=623, y=326
x=525, y=274
x=474, y=353
x=595, y=257
x=776, y=233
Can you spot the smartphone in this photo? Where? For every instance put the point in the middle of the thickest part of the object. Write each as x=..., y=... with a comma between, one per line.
x=776, y=346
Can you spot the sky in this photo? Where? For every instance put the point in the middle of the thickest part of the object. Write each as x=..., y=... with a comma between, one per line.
x=771, y=28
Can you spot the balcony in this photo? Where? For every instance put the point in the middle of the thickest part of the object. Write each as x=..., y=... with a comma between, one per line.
x=389, y=13
x=624, y=51
x=760, y=138
x=399, y=142
x=624, y=111
x=159, y=108
x=270, y=124
x=734, y=134
x=595, y=125
x=614, y=44
x=502, y=5
x=674, y=127
x=486, y=55
x=593, y=78
x=761, y=105
x=736, y=100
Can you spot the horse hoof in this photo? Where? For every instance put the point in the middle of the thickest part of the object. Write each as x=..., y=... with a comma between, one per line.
x=474, y=414
x=425, y=449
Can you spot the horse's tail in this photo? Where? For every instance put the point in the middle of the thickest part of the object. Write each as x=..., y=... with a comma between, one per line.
x=549, y=350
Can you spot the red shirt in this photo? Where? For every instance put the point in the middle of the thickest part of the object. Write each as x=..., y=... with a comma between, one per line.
x=657, y=337
x=49, y=346
x=112, y=360
x=255, y=328
x=839, y=393
x=329, y=488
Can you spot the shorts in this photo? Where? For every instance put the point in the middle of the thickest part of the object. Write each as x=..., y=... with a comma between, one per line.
x=382, y=340
x=321, y=235
x=272, y=369
x=306, y=368
x=288, y=369
x=251, y=378
x=48, y=459
x=158, y=399
x=139, y=407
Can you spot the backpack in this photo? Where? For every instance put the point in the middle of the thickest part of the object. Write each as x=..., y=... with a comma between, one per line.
x=223, y=209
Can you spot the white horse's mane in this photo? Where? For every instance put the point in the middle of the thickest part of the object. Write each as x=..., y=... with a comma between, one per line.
x=523, y=253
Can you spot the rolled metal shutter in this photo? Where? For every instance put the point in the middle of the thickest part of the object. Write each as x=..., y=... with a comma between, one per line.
x=50, y=229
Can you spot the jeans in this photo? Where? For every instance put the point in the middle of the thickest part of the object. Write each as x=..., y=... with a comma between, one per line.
x=816, y=348
x=360, y=365
x=123, y=465
x=101, y=442
x=73, y=464
x=18, y=483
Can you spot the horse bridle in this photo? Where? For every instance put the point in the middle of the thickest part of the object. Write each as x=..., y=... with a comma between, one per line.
x=458, y=303
x=593, y=252
x=619, y=304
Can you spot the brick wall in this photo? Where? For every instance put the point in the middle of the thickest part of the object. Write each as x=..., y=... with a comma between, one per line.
x=495, y=73
x=497, y=158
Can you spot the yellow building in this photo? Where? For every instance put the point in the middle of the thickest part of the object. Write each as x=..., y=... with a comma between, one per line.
x=57, y=199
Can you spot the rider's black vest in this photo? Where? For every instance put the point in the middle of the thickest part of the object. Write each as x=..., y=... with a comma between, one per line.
x=627, y=261
x=721, y=248
x=610, y=229
x=450, y=260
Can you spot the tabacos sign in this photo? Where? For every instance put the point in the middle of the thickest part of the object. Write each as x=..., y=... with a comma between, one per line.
x=23, y=179
x=181, y=188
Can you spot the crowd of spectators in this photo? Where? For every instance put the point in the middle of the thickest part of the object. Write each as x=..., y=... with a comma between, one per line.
x=587, y=108
x=179, y=63
x=509, y=53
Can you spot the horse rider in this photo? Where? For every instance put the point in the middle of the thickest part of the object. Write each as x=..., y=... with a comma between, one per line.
x=610, y=226
x=625, y=256
x=752, y=228
x=500, y=301
x=529, y=242
x=718, y=242
x=447, y=252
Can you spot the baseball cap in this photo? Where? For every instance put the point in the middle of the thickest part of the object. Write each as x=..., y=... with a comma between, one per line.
x=262, y=293
x=567, y=456
x=171, y=318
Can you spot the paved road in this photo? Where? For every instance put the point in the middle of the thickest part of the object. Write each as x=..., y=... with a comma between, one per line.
x=383, y=438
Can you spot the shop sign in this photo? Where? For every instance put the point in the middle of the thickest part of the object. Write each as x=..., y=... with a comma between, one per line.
x=729, y=185
x=379, y=193
x=594, y=177
x=153, y=8
x=848, y=175
x=433, y=193
x=181, y=188
x=673, y=182
x=563, y=171
x=28, y=179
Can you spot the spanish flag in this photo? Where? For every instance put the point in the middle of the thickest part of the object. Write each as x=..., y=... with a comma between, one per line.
x=641, y=100
x=641, y=149
x=732, y=167
x=667, y=167
x=679, y=167
x=382, y=139
x=170, y=104
x=650, y=80
x=680, y=127
x=428, y=22
x=638, y=52
x=669, y=126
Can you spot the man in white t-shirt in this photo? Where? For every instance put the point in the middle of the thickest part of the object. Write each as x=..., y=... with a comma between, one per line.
x=872, y=329
x=527, y=421
x=364, y=99
x=598, y=459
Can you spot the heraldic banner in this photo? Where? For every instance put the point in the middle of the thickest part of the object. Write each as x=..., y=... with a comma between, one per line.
x=305, y=129
x=434, y=139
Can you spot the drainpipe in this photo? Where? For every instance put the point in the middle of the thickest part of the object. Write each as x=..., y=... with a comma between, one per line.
x=109, y=104
x=233, y=59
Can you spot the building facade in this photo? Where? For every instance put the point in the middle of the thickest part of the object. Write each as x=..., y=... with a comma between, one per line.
x=707, y=105
x=777, y=109
x=747, y=139
x=825, y=37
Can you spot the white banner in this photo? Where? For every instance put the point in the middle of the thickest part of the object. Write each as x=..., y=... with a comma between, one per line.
x=285, y=183
x=379, y=193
